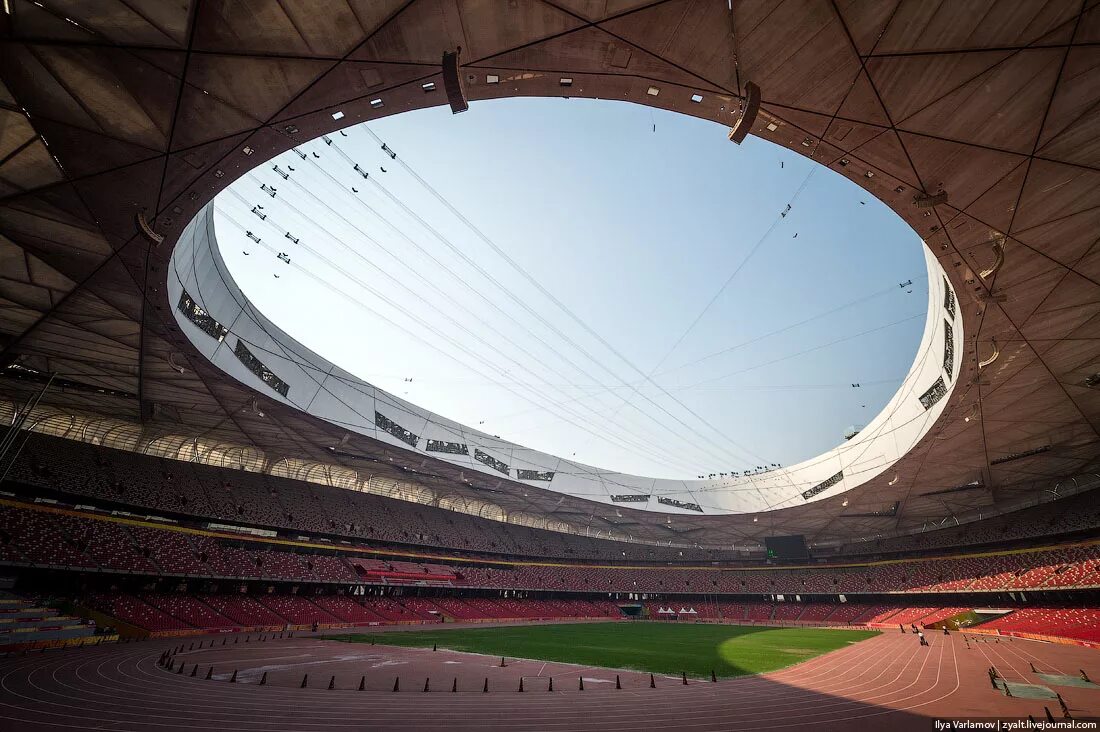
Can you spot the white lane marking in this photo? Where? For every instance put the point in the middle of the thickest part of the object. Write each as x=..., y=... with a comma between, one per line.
x=256, y=672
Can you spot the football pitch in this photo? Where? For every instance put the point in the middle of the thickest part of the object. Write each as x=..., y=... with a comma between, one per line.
x=667, y=648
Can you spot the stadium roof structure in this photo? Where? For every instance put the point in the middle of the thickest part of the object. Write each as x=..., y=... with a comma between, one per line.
x=977, y=123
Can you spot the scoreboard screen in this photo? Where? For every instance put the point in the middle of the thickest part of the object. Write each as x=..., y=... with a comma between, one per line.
x=786, y=547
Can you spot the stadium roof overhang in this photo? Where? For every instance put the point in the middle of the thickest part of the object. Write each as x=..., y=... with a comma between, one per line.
x=143, y=112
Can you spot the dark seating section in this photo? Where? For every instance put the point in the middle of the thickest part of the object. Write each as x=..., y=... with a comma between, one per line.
x=234, y=496
x=51, y=537
x=1073, y=566
x=243, y=610
x=160, y=612
x=48, y=536
x=26, y=622
x=305, y=552
x=1075, y=513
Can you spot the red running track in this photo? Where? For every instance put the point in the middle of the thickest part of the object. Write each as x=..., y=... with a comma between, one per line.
x=885, y=682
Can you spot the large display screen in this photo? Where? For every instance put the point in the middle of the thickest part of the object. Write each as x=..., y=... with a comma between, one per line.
x=786, y=547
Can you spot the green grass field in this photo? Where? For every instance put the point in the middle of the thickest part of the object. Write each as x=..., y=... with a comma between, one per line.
x=730, y=650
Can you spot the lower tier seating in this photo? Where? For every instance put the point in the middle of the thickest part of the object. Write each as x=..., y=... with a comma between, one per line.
x=168, y=612
x=1079, y=623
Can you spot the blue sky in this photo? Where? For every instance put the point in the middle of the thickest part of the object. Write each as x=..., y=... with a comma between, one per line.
x=637, y=221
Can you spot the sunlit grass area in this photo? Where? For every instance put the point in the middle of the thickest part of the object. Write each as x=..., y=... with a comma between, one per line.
x=728, y=650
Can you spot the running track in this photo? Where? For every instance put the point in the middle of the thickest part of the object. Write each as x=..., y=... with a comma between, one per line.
x=886, y=682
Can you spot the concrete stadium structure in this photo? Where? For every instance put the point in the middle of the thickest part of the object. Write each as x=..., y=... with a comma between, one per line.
x=121, y=121
x=322, y=389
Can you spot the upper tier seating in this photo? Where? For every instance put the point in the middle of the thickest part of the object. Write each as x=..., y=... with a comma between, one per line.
x=76, y=468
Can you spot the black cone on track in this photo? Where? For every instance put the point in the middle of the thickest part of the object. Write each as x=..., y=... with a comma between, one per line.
x=209, y=673
x=236, y=640
x=305, y=681
x=551, y=687
x=263, y=679
x=502, y=664
x=362, y=683
x=1032, y=664
x=652, y=682
x=685, y=677
x=397, y=683
x=332, y=682
x=1050, y=717
x=246, y=638
x=713, y=678
x=181, y=668
x=521, y=684
x=233, y=678
x=194, y=671
x=192, y=647
x=485, y=689
x=434, y=648
x=171, y=664
x=223, y=641
x=580, y=684
x=426, y=686
x=618, y=684
x=454, y=685
x=1084, y=676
